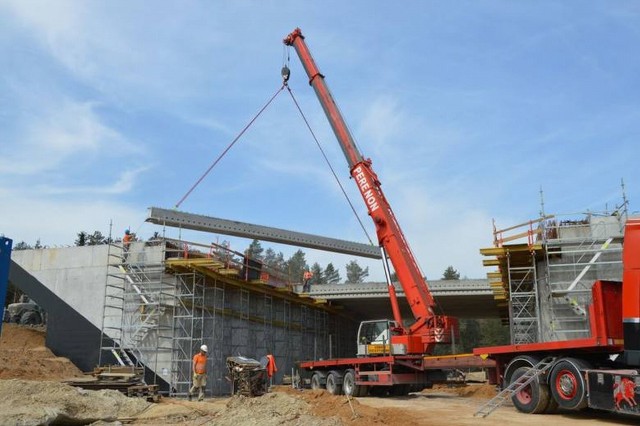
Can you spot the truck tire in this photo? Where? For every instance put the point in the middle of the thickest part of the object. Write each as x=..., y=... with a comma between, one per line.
x=534, y=398
x=333, y=383
x=568, y=384
x=316, y=381
x=30, y=318
x=349, y=383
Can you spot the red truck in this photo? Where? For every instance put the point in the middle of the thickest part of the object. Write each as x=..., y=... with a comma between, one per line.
x=392, y=357
x=601, y=371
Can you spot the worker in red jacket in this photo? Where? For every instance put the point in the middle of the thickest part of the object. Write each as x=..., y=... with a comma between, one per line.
x=271, y=368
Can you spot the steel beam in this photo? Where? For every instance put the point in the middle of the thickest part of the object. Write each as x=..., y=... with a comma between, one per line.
x=176, y=219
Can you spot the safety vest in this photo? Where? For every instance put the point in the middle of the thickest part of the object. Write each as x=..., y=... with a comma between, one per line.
x=200, y=363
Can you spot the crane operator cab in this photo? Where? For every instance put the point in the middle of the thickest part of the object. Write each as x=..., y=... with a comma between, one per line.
x=374, y=338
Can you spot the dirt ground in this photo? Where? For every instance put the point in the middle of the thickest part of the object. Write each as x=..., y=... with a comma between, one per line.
x=31, y=393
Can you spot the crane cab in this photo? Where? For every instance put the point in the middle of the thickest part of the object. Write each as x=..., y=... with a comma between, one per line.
x=374, y=338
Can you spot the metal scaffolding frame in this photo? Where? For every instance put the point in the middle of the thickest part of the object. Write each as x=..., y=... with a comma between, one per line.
x=188, y=329
x=136, y=330
x=547, y=280
x=523, y=301
x=577, y=253
x=164, y=299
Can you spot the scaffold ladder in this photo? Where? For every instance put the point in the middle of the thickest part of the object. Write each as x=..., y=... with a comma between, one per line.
x=523, y=381
x=122, y=357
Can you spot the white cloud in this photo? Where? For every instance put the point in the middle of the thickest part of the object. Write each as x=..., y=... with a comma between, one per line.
x=57, y=130
x=56, y=222
x=125, y=183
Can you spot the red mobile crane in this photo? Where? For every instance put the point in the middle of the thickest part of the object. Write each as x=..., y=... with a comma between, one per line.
x=601, y=371
x=390, y=354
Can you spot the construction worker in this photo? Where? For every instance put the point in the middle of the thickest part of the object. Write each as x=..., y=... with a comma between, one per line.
x=126, y=242
x=271, y=368
x=306, y=286
x=199, y=368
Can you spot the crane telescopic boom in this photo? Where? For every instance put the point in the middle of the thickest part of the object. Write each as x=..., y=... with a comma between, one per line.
x=428, y=328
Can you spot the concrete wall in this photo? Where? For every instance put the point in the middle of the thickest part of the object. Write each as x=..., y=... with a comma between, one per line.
x=75, y=274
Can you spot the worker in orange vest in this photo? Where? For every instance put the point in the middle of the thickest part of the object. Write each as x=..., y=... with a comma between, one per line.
x=199, y=368
x=306, y=286
x=271, y=368
x=126, y=242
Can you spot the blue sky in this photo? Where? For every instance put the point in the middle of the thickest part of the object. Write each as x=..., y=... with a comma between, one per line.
x=467, y=109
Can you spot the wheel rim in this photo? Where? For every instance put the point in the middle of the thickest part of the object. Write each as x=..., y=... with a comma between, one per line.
x=331, y=384
x=348, y=385
x=566, y=385
x=524, y=396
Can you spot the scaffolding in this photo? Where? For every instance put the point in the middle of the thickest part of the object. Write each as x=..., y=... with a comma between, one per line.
x=545, y=283
x=136, y=328
x=166, y=298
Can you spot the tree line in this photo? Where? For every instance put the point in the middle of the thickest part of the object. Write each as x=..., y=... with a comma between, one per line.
x=473, y=332
x=296, y=265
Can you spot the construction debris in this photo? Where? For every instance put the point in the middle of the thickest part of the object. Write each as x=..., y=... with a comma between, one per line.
x=26, y=402
x=248, y=376
x=128, y=380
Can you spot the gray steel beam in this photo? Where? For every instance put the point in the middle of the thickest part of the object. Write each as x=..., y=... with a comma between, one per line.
x=176, y=219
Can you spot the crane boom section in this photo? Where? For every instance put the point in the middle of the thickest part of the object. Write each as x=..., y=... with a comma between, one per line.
x=388, y=230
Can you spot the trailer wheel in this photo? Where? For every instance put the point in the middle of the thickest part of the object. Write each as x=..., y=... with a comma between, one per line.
x=332, y=384
x=534, y=398
x=316, y=382
x=349, y=386
x=568, y=385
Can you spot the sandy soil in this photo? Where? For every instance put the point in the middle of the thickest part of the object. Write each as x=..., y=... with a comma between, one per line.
x=43, y=400
x=23, y=355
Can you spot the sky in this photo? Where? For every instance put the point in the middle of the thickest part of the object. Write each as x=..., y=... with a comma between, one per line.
x=471, y=111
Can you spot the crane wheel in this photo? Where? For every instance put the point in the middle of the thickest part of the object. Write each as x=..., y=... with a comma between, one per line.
x=534, y=398
x=568, y=383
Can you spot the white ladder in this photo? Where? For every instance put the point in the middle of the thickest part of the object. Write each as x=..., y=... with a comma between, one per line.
x=122, y=357
x=523, y=381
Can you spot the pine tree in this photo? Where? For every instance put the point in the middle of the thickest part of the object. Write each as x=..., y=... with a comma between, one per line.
x=82, y=239
x=96, y=239
x=318, y=276
x=355, y=273
x=255, y=250
x=450, y=274
x=331, y=274
x=296, y=265
x=22, y=246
